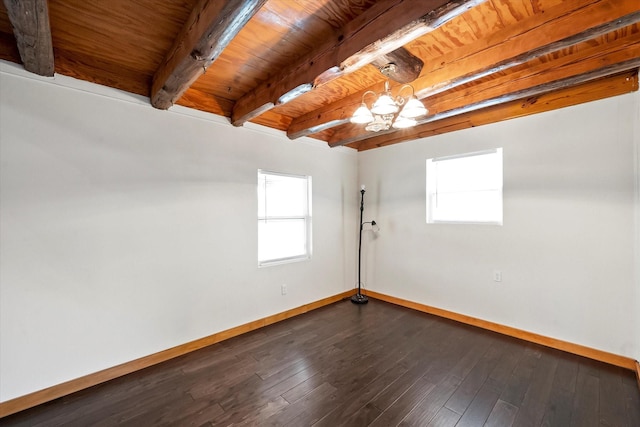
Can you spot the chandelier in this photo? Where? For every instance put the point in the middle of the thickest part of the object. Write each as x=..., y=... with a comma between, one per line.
x=387, y=111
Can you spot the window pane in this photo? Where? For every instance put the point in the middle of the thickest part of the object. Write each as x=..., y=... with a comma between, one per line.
x=479, y=172
x=286, y=197
x=467, y=188
x=484, y=206
x=278, y=239
x=282, y=196
x=284, y=217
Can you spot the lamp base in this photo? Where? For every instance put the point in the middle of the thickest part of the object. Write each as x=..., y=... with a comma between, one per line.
x=359, y=299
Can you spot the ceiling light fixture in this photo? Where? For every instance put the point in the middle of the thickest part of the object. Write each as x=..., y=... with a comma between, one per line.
x=384, y=111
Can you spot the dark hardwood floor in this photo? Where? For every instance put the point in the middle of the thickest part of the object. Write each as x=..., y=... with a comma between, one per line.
x=348, y=365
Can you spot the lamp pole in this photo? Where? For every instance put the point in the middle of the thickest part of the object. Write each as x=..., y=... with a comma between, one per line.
x=359, y=298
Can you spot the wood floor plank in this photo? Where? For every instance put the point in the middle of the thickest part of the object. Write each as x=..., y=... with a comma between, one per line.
x=480, y=408
x=218, y=383
x=311, y=407
x=348, y=365
x=560, y=405
x=280, y=349
x=503, y=414
x=301, y=390
x=511, y=356
x=612, y=410
x=474, y=380
x=143, y=408
x=518, y=383
x=432, y=403
x=244, y=344
x=263, y=399
x=585, y=402
x=395, y=413
x=632, y=400
x=301, y=360
x=349, y=407
x=165, y=414
x=207, y=361
x=534, y=404
x=475, y=349
x=211, y=411
x=389, y=395
x=444, y=418
x=363, y=417
x=256, y=417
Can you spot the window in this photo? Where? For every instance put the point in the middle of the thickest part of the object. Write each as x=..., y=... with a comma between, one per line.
x=284, y=218
x=466, y=188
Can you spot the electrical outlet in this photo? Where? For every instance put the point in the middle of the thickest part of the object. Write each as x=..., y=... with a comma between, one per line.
x=283, y=289
x=497, y=276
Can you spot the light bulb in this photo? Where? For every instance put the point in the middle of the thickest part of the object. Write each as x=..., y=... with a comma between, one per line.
x=384, y=105
x=362, y=115
x=404, y=122
x=414, y=108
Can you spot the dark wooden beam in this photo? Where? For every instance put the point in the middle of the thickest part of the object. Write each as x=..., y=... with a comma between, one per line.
x=560, y=27
x=348, y=137
x=606, y=87
x=385, y=27
x=30, y=22
x=210, y=28
x=400, y=65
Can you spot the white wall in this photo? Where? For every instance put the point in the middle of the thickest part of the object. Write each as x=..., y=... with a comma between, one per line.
x=125, y=230
x=566, y=249
x=636, y=138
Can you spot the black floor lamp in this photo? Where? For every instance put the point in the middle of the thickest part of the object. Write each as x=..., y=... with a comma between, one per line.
x=359, y=298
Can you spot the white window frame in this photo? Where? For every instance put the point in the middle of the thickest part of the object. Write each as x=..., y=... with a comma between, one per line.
x=432, y=189
x=306, y=217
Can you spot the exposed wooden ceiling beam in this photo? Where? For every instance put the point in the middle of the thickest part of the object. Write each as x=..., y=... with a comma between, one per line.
x=399, y=65
x=30, y=22
x=621, y=47
x=620, y=51
x=348, y=136
x=593, y=90
x=209, y=29
x=359, y=43
x=560, y=27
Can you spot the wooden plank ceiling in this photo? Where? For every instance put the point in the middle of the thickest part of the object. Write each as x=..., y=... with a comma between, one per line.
x=303, y=66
